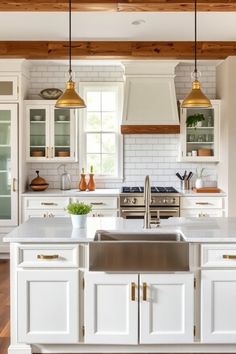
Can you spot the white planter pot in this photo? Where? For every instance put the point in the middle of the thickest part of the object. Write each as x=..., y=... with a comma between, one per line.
x=199, y=183
x=79, y=221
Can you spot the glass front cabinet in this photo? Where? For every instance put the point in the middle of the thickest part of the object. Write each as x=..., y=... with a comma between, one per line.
x=199, y=133
x=52, y=133
x=8, y=165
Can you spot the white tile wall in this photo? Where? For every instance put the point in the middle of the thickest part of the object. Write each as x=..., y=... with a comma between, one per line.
x=143, y=154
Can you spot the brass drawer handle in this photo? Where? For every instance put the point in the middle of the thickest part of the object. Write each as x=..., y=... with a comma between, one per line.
x=202, y=203
x=229, y=256
x=133, y=291
x=97, y=203
x=144, y=291
x=48, y=256
x=44, y=203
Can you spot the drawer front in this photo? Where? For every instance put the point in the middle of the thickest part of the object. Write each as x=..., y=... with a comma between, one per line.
x=46, y=203
x=44, y=214
x=48, y=256
x=201, y=202
x=104, y=213
x=201, y=213
x=218, y=256
x=99, y=202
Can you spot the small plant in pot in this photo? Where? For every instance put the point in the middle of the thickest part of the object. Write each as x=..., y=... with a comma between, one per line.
x=79, y=212
x=195, y=120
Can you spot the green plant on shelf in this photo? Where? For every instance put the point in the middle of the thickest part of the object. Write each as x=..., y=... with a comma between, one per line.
x=193, y=120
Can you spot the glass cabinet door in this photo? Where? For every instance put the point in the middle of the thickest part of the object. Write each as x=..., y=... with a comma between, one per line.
x=38, y=133
x=8, y=164
x=8, y=88
x=63, y=134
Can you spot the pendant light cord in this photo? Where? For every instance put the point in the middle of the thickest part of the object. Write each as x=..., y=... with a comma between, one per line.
x=70, y=69
x=195, y=39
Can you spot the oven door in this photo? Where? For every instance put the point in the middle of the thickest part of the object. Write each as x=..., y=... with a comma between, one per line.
x=138, y=212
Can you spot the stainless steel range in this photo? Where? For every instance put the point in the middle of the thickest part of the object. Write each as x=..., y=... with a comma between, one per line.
x=165, y=202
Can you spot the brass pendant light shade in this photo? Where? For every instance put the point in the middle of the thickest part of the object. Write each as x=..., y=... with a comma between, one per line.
x=70, y=97
x=196, y=98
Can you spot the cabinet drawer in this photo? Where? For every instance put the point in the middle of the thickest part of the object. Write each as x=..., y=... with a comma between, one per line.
x=201, y=213
x=201, y=202
x=44, y=214
x=48, y=256
x=100, y=203
x=46, y=203
x=218, y=255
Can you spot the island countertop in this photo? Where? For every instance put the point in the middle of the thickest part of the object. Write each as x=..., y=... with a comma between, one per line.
x=56, y=230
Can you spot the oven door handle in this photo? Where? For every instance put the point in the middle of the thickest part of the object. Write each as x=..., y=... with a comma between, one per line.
x=151, y=211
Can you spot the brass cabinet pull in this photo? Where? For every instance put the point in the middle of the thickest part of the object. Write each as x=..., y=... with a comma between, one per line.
x=14, y=185
x=97, y=203
x=144, y=291
x=133, y=291
x=47, y=152
x=229, y=256
x=48, y=256
x=48, y=203
x=202, y=203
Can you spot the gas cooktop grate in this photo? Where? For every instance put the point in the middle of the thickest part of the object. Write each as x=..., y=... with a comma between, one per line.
x=153, y=190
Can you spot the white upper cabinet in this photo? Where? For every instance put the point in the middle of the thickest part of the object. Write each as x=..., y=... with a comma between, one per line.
x=166, y=308
x=200, y=143
x=51, y=132
x=8, y=88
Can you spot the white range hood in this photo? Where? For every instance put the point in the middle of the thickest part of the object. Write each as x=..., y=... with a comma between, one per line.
x=150, y=98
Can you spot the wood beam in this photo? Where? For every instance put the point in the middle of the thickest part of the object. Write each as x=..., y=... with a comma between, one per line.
x=117, y=5
x=150, y=129
x=115, y=50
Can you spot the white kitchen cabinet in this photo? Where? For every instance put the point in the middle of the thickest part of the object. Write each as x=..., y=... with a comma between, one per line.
x=8, y=165
x=201, y=139
x=202, y=206
x=51, y=132
x=111, y=308
x=48, y=305
x=166, y=308
x=8, y=88
x=218, y=310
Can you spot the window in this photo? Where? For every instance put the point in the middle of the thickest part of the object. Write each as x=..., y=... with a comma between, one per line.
x=101, y=141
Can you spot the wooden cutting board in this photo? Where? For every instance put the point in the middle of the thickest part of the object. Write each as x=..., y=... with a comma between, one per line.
x=207, y=190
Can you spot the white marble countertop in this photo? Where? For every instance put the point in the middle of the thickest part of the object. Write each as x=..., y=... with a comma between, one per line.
x=190, y=193
x=73, y=193
x=60, y=229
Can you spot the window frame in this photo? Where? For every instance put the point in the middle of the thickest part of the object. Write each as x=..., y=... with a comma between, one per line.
x=83, y=88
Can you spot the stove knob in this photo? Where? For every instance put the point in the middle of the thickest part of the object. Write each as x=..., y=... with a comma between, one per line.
x=172, y=201
x=152, y=200
x=164, y=201
x=133, y=201
x=126, y=201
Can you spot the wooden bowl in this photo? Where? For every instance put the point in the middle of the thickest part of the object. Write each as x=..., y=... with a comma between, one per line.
x=63, y=153
x=39, y=187
x=204, y=152
x=37, y=153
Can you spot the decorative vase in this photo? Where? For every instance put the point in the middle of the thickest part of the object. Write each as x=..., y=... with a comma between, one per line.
x=199, y=183
x=79, y=221
x=91, y=183
x=82, y=182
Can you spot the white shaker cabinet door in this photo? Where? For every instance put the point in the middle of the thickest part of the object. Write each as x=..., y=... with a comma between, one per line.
x=218, y=310
x=111, y=308
x=48, y=306
x=166, y=308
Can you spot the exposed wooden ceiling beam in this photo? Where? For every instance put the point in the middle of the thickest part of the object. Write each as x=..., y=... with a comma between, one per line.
x=115, y=50
x=117, y=5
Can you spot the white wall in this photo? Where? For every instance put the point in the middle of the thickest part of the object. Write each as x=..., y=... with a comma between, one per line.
x=143, y=154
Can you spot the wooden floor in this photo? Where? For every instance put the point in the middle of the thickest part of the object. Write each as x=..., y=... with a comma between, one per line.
x=4, y=306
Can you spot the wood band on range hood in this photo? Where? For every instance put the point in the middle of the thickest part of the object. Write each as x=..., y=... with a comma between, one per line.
x=150, y=129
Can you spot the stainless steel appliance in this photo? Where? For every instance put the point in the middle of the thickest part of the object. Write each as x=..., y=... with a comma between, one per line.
x=165, y=201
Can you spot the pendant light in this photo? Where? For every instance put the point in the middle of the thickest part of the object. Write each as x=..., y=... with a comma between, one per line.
x=196, y=98
x=70, y=98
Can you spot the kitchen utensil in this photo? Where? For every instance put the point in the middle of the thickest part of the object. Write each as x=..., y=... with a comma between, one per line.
x=38, y=183
x=185, y=185
x=178, y=175
x=184, y=175
x=189, y=176
x=65, y=180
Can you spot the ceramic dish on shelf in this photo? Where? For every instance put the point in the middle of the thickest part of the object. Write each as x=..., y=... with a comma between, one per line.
x=37, y=118
x=50, y=93
x=61, y=118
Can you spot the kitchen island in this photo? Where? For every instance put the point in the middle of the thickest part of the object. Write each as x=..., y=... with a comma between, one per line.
x=58, y=305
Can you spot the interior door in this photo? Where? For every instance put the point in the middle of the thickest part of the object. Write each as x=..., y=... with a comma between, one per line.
x=111, y=308
x=166, y=308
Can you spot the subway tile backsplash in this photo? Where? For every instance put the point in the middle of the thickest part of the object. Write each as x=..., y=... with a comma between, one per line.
x=155, y=154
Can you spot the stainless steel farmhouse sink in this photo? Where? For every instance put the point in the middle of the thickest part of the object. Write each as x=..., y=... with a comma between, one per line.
x=113, y=251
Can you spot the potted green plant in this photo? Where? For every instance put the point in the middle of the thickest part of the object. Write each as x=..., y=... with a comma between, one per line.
x=195, y=120
x=78, y=212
